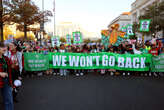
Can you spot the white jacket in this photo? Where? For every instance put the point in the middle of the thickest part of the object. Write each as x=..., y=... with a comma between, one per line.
x=135, y=50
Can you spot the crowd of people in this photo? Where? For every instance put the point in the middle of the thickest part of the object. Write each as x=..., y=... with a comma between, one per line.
x=12, y=62
x=149, y=47
x=154, y=47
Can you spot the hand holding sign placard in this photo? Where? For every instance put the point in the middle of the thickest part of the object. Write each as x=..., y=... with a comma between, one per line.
x=144, y=25
x=77, y=37
x=130, y=29
x=68, y=39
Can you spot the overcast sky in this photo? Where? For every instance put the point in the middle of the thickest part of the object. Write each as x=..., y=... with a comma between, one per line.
x=92, y=15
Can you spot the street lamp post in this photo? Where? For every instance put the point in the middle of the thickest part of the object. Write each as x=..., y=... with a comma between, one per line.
x=42, y=24
x=1, y=23
x=54, y=18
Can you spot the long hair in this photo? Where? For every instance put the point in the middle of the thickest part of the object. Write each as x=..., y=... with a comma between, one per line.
x=18, y=48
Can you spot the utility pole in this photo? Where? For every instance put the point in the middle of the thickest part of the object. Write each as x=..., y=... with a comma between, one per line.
x=54, y=17
x=42, y=25
x=1, y=22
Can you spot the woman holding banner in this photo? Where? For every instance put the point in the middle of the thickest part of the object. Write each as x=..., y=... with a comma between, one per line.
x=5, y=79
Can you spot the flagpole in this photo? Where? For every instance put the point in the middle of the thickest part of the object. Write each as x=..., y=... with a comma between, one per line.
x=54, y=19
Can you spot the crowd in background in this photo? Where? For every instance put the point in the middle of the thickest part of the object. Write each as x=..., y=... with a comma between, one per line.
x=154, y=47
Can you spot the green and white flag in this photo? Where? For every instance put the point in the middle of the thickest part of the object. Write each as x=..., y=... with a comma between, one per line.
x=124, y=29
x=144, y=25
x=158, y=63
x=105, y=41
x=55, y=41
x=68, y=39
x=130, y=29
x=77, y=37
x=36, y=61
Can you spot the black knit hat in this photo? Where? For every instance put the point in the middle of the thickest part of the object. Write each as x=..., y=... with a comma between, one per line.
x=2, y=44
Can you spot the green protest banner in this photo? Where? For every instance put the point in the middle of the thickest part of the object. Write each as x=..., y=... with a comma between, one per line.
x=36, y=62
x=77, y=37
x=102, y=60
x=124, y=29
x=55, y=41
x=144, y=25
x=68, y=39
x=105, y=41
x=158, y=63
x=130, y=30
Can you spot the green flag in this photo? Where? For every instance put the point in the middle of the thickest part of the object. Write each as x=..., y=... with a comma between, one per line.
x=77, y=37
x=105, y=41
x=129, y=29
x=68, y=39
x=158, y=63
x=55, y=41
x=144, y=25
x=124, y=29
x=36, y=62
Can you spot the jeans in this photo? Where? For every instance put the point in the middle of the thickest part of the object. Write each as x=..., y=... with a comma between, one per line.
x=7, y=96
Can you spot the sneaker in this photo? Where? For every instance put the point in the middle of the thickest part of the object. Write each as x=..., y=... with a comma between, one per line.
x=111, y=73
x=149, y=74
x=40, y=74
x=102, y=71
x=81, y=74
x=128, y=74
x=54, y=74
x=65, y=74
x=61, y=74
x=123, y=74
x=155, y=74
x=77, y=75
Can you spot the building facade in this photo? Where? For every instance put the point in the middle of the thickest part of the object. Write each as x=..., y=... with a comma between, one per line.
x=123, y=20
x=138, y=8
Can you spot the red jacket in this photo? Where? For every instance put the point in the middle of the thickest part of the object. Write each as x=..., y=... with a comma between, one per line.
x=9, y=72
x=156, y=50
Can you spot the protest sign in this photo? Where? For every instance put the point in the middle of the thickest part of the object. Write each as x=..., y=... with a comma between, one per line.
x=68, y=39
x=158, y=63
x=102, y=60
x=105, y=41
x=144, y=25
x=130, y=30
x=36, y=62
x=77, y=37
x=55, y=41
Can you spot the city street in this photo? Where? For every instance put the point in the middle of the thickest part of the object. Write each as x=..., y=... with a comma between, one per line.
x=96, y=55
x=91, y=92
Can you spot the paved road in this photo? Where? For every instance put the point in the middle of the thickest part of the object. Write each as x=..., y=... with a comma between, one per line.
x=92, y=93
